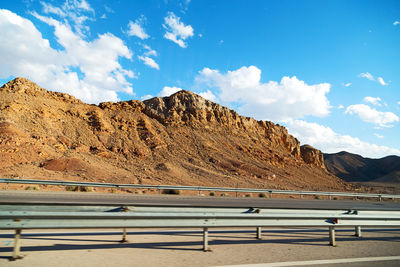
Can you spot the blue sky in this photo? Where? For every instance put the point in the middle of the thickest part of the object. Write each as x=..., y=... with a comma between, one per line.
x=327, y=70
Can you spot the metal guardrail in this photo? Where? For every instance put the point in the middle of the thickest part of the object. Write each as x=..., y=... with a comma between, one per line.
x=30, y=216
x=196, y=188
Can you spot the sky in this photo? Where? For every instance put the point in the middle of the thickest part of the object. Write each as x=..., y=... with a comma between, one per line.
x=329, y=70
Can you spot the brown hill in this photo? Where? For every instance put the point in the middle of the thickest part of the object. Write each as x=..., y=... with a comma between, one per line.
x=180, y=139
x=355, y=168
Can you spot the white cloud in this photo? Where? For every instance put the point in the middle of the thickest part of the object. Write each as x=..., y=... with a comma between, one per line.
x=104, y=16
x=325, y=139
x=147, y=59
x=74, y=11
x=149, y=62
x=149, y=52
x=108, y=9
x=77, y=5
x=367, y=75
x=50, y=9
x=176, y=31
x=373, y=100
x=167, y=91
x=379, y=136
x=208, y=95
x=371, y=115
x=347, y=84
x=88, y=70
x=184, y=5
x=145, y=97
x=381, y=81
x=136, y=29
x=340, y=107
x=396, y=23
x=290, y=98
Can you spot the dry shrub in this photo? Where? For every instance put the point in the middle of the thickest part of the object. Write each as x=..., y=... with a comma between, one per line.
x=72, y=188
x=32, y=187
x=76, y=188
x=171, y=191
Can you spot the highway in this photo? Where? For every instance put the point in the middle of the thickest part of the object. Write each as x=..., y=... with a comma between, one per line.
x=190, y=201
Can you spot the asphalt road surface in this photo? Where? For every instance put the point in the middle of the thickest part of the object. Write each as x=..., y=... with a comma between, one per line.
x=190, y=201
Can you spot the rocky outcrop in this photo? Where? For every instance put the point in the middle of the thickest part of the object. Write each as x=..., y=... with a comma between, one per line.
x=312, y=156
x=187, y=108
x=24, y=86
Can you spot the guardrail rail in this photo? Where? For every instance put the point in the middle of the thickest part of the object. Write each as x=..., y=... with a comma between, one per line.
x=197, y=188
x=19, y=217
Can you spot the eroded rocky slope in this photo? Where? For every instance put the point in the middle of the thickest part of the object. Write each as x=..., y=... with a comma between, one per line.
x=180, y=139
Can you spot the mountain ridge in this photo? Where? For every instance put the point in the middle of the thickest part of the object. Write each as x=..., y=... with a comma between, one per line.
x=180, y=139
x=355, y=168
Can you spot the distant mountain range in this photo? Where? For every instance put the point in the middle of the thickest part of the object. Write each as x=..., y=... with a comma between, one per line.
x=355, y=168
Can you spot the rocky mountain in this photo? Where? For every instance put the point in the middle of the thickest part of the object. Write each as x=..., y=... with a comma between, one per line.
x=355, y=168
x=181, y=139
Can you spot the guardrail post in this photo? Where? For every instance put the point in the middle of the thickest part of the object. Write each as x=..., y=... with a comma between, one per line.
x=123, y=240
x=237, y=185
x=380, y=197
x=205, y=239
x=270, y=194
x=17, y=245
x=332, y=240
x=358, y=231
x=259, y=233
x=6, y=186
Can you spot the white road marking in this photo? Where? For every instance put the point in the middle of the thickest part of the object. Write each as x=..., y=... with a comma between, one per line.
x=316, y=262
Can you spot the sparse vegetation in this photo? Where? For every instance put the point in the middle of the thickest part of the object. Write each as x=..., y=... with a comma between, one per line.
x=317, y=197
x=75, y=188
x=248, y=195
x=212, y=194
x=32, y=187
x=86, y=189
x=72, y=188
x=171, y=192
x=262, y=195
